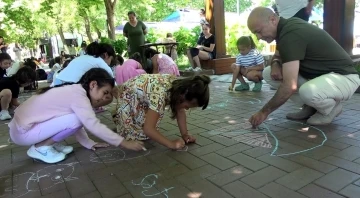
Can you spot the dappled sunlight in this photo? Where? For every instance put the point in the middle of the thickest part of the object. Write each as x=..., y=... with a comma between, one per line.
x=351, y=135
x=304, y=130
x=194, y=195
x=227, y=117
x=3, y=146
x=215, y=122
x=312, y=136
x=232, y=121
x=237, y=171
x=270, y=119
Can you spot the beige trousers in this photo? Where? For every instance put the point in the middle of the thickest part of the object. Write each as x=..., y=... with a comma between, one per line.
x=321, y=93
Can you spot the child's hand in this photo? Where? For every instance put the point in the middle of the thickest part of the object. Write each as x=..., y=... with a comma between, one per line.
x=188, y=138
x=99, y=145
x=178, y=144
x=231, y=88
x=133, y=145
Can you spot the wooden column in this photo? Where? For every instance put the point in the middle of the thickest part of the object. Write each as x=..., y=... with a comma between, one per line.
x=339, y=21
x=215, y=14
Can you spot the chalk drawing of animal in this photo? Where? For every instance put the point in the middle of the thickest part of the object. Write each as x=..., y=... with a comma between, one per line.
x=48, y=176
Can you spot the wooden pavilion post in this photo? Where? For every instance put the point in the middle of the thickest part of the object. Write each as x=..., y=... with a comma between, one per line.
x=339, y=21
x=217, y=24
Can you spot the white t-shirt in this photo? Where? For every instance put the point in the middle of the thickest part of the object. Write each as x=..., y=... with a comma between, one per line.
x=56, y=67
x=288, y=8
x=253, y=58
x=79, y=66
x=13, y=69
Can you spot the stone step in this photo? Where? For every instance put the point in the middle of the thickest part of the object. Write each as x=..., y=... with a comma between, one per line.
x=193, y=73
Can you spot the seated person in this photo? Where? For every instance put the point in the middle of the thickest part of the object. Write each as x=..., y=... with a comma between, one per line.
x=171, y=50
x=161, y=63
x=205, y=49
x=5, y=63
x=249, y=64
x=142, y=100
x=56, y=67
x=10, y=88
x=129, y=69
x=56, y=80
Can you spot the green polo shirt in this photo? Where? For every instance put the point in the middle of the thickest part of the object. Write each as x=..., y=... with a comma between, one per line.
x=316, y=50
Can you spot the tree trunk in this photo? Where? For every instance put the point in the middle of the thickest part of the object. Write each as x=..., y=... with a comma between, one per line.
x=61, y=33
x=110, y=6
x=87, y=27
x=98, y=32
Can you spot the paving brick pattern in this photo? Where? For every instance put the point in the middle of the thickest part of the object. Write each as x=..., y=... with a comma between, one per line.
x=228, y=160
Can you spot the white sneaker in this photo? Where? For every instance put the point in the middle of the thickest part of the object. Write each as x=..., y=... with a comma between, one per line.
x=4, y=115
x=197, y=69
x=46, y=154
x=62, y=148
x=189, y=69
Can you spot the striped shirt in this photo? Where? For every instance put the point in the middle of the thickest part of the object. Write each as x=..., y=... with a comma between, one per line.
x=253, y=58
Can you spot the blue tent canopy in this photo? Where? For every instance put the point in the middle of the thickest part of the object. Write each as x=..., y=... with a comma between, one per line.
x=173, y=17
x=186, y=16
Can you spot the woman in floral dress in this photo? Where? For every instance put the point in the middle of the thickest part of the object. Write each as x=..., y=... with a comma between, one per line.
x=141, y=106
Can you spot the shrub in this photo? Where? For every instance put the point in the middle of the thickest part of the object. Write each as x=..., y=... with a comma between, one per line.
x=119, y=44
x=186, y=38
x=233, y=33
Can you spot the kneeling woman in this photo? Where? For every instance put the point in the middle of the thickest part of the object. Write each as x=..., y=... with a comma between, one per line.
x=46, y=119
x=142, y=100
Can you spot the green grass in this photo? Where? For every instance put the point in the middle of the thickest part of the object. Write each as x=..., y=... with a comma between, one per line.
x=182, y=62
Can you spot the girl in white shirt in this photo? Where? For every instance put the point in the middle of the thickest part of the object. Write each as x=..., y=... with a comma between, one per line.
x=98, y=55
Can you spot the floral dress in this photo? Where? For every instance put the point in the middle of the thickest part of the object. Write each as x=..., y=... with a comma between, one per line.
x=135, y=97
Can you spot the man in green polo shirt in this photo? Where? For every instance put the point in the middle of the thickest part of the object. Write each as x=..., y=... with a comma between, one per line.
x=310, y=67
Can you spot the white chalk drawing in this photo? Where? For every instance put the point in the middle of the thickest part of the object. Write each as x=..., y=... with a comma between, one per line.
x=244, y=133
x=184, y=149
x=49, y=176
x=115, y=154
x=259, y=139
x=147, y=185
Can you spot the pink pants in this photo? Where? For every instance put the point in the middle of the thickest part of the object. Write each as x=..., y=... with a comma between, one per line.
x=57, y=129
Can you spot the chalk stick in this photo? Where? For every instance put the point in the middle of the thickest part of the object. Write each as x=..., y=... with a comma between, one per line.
x=144, y=149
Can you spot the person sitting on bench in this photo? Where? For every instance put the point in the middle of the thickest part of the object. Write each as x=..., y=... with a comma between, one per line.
x=205, y=49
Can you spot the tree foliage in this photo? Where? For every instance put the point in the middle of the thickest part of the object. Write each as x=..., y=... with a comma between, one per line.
x=25, y=21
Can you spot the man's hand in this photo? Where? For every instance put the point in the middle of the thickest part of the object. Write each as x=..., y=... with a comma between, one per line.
x=258, y=118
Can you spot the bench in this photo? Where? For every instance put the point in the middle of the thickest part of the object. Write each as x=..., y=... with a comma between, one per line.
x=219, y=65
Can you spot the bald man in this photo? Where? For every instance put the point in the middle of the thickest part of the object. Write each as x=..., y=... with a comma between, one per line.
x=310, y=67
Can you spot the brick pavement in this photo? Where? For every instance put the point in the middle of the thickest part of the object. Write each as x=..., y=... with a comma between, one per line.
x=228, y=160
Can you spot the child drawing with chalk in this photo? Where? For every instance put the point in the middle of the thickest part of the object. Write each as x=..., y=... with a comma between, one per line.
x=141, y=106
x=55, y=113
x=249, y=64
